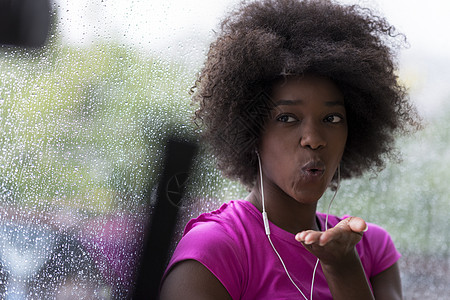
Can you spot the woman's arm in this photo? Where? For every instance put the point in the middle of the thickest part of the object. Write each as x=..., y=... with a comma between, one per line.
x=339, y=259
x=189, y=279
x=347, y=280
x=387, y=284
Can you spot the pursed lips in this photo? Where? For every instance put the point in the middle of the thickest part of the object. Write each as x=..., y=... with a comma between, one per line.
x=314, y=168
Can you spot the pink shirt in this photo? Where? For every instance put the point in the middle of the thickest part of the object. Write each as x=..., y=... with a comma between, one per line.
x=232, y=244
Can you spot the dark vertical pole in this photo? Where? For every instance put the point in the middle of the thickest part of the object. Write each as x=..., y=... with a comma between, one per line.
x=24, y=22
x=176, y=169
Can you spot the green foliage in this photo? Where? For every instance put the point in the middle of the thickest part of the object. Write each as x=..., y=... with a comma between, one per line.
x=84, y=126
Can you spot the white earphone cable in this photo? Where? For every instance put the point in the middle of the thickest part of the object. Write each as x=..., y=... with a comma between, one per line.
x=326, y=225
x=267, y=230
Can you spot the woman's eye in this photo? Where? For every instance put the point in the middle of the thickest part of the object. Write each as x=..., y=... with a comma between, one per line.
x=286, y=119
x=333, y=119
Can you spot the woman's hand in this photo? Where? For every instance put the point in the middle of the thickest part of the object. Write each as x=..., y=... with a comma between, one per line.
x=338, y=257
x=334, y=246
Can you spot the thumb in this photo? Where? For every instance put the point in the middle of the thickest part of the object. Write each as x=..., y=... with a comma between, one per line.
x=357, y=224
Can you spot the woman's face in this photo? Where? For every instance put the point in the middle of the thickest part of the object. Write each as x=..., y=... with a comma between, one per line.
x=304, y=138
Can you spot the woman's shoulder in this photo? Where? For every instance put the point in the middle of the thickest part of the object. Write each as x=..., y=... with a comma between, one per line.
x=224, y=230
x=233, y=216
x=216, y=237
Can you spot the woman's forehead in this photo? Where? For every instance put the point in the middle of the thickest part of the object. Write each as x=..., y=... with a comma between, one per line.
x=295, y=90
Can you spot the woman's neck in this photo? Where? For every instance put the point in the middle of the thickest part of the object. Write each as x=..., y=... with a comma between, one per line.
x=284, y=211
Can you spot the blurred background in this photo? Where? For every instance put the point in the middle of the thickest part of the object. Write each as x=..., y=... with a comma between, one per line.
x=83, y=121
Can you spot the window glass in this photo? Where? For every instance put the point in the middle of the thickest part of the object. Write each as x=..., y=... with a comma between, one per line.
x=84, y=120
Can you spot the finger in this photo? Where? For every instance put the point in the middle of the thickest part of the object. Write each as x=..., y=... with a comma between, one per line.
x=354, y=224
x=357, y=224
x=308, y=237
x=328, y=236
x=312, y=237
x=351, y=224
x=300, y=237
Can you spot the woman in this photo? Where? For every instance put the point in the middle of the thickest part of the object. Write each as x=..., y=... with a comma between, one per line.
x=294, y=96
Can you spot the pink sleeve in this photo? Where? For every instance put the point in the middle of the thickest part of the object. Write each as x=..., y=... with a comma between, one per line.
x=382, y=249
x=210, y=245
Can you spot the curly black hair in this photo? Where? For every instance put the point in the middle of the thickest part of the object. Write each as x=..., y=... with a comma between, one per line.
x=262, y=41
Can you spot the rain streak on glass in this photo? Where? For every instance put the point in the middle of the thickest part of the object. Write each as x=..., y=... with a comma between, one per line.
x=83, y=122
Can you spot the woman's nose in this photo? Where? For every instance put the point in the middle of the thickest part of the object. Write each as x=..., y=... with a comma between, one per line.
x=311, y=135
